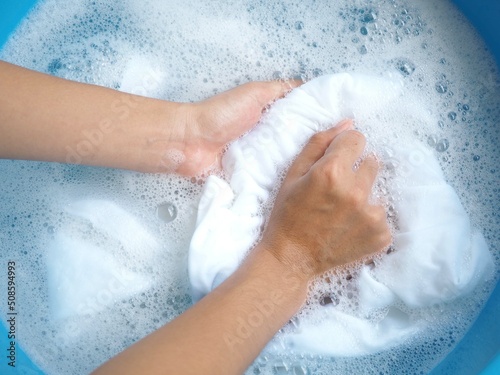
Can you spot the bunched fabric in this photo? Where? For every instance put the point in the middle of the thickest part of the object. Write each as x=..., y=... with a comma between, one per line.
x=438, y=257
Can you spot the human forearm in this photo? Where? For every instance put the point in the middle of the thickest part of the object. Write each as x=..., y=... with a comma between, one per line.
x=51, y=119
x=226, y=330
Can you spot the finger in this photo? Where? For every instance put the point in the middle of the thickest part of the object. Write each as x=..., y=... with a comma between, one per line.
x=291, y=84
x=315, y=148
x=268, y=92
x=346, y=148
x=367, y=172
x=283, y=87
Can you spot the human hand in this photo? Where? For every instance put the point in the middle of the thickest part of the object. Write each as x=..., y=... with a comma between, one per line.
x=321, y=218
x=53, y=119
x=212, y=123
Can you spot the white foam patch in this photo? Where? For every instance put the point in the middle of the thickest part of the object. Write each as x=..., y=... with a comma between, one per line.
x=198, y=48
x=117, y=223
x=85, y=279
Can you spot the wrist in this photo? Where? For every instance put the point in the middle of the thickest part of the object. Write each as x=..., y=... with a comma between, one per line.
x=279, y=276
x=165, y=142
x=291, y=254
x=152, y=138
x=173, y=141
x=260, y=298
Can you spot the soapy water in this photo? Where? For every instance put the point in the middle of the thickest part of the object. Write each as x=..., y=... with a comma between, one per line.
x=195, y=51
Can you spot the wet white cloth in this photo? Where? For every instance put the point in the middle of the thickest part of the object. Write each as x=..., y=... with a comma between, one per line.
x=437, y=257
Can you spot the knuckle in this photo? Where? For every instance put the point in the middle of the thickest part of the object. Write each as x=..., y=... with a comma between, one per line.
x=383, y=239
x=319, y=138
x=327, y=174
x=376, y=219
x=356, y=198
x=379, y=214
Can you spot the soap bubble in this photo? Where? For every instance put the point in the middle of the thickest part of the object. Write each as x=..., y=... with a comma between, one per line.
x=432, y=140
x=442, y=145
x=369, y=16
x=329, y=300
x=281, y=368
x=278, y=75
x=300, y=370
x=441, y=87
x=166, y=212
x=405, y=66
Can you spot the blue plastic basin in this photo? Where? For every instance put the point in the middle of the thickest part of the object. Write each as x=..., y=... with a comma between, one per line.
x=479, y=350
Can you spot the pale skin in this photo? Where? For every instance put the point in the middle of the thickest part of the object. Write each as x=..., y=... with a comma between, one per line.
x=322, y=217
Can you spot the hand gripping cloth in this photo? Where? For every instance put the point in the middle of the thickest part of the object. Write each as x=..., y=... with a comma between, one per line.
x=437, y=256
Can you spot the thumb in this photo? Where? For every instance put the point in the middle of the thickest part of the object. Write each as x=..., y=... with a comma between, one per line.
x=269, y=91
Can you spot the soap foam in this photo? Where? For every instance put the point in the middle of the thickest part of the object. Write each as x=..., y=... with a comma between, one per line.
x=196, y=50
